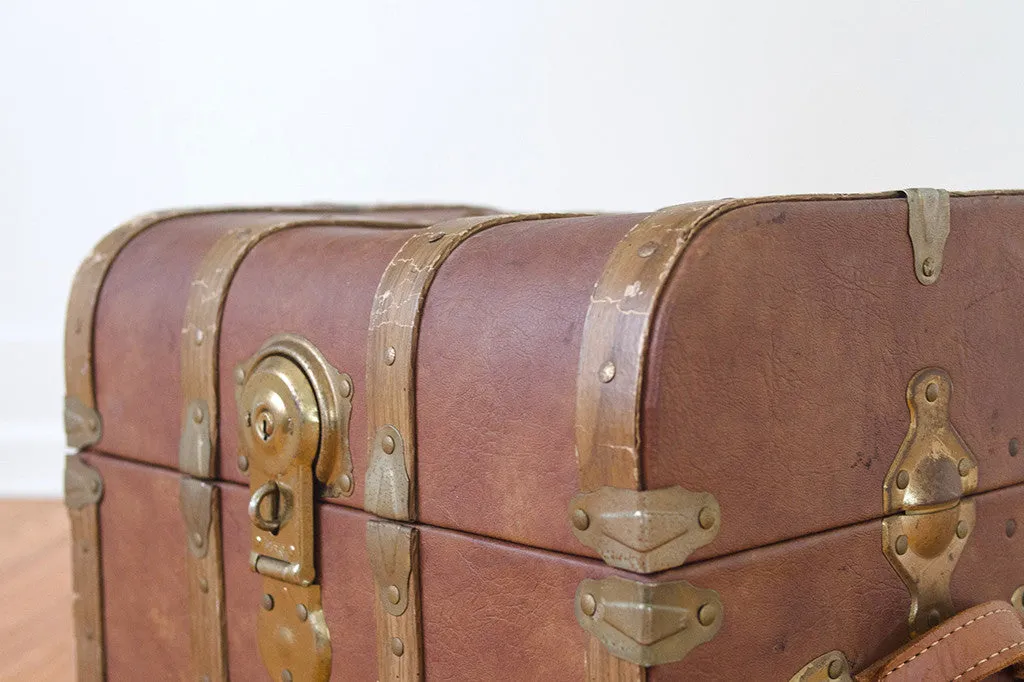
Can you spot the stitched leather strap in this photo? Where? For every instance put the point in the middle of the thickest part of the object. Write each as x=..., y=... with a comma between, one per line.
x=970, y=646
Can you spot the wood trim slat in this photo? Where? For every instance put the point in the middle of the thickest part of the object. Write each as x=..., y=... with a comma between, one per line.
x=200, y=502
x=399, y=637
x=83, y=490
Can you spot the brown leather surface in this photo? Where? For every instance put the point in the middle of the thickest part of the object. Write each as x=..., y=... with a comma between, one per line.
x=139, y=318
x=496, y=378
x=783, y=347
x=493, y=610
x=145, y=589
x=970, y=646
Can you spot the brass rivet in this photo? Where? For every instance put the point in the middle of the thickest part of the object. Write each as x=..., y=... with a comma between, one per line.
x=204, y=585
x=199, y=336
x=239, y=376
x=580, y=520
x=928, y=267
x=197, y=415
x=302, y=612
x=961, y=529
x=89, y=634
x=647, y=249
x=707, y=614
x=243, y=463
x=588, y=604
x=267, y=603
x=934, y=618
x=607, y=372
x=437, y=236
x=93, y=424
x=197, y=538
x=397, y=646
x=1014, y=447
x=345, y=388
x=286, y=675
x=836, y=668
x=94, y=486
x=346, y=483
x=389, y=355
x=1011, y=528
x=393, y=594
x=932, y=392
x=387, y=444
x=902, y=479
x=706, y=518
x=902, y=544
x=964, y=466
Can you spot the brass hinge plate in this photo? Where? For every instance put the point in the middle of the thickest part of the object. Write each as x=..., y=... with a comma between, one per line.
x=830, y=667
x=928, y=227
x=928, y=522
x=648, y=623
x=644, y=531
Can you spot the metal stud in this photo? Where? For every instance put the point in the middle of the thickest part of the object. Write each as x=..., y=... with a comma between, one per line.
x=964, y=466
x=707, y=518
x=437, y=236
x=387, y=444
x=932, y=392
x=580, y=520
x=243, y=463
x=197, y=415
x=397, y=646
x=302, y=612
x=239, y=376
x=267, y=602
x=389, y=355
x=928, y=267
x=1014, y=447
x=197, y=538
x=94, y=486
x=345, y=387
x=607, y=372
x=902, y=479
x=588, y=604
x=286, y=675
x=345, y=482
x=1011, y=528
x=836, y=669
x=962, y=529
x=393, y=594
x=204, y=585
x=199, y=336
x=902, y=545
x=707, y=614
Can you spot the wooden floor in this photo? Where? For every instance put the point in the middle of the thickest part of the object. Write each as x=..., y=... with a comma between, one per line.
x=35, y=592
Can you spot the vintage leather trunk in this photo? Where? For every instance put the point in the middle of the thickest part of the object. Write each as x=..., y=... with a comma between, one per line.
x=752, y=439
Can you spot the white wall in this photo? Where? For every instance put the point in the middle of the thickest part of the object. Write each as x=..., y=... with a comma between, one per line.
x=113, y=107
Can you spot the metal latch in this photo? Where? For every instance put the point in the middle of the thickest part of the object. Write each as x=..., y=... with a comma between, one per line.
x=293, y=411
x=927, y=520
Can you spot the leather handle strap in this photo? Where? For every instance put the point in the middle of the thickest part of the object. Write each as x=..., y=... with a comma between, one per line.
x=970, y=646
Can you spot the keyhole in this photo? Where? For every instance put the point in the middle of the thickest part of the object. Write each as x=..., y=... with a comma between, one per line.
x=265, y=426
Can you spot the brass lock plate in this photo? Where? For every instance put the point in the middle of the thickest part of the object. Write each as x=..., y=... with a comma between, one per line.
x=293, y=412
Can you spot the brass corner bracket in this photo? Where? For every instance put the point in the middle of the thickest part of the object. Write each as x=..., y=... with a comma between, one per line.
x=644, y=531
x=927, y=521
x=83, y=425
x=648, y=623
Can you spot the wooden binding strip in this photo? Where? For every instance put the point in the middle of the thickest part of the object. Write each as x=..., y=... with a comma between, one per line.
x=393, y=548
x=83, y=490
x=391, y=360
x=200, y=500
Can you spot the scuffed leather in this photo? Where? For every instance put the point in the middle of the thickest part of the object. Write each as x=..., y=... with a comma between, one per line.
x=784, y=343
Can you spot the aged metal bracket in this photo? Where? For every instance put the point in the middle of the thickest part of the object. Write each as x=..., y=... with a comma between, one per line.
x=830, y=667
x=927, y=522
x=648, y=623
x=82, y=424
x=83, y=490
x=644, y=531
x=929, y=227
x=293, y=411
x=394, y=551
